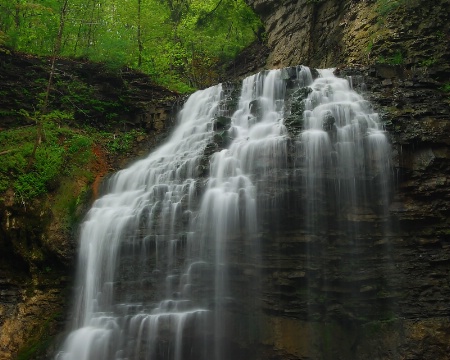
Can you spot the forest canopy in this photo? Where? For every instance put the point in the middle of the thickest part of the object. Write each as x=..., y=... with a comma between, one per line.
x=178, y=42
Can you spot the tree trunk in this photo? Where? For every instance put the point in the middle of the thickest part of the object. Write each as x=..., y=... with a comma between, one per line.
x=44, y=109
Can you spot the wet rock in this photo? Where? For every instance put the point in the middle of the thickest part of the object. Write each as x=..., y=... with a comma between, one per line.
x=386, y=71
x=222, y=123
x=256, y=108
x=328, y=121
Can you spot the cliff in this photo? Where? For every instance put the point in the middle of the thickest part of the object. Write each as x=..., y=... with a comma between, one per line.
x=389, y=295
x=330, y=33
x=395, y=53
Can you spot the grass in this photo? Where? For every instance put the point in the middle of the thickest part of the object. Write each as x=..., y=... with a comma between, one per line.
x=428, y=62
x=40, y=341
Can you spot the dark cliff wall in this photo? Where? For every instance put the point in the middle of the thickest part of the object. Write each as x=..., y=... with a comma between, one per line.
x=397, y=55
x=385, y=295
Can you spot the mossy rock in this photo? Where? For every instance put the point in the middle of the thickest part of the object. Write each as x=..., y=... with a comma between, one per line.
x=222, y=123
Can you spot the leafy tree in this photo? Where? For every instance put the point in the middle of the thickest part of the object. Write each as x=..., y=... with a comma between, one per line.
x=178, y=42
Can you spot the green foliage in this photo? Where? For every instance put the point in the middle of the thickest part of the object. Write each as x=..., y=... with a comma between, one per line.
x=446, y=87
x=440, y=35
x=30, y=179
x=428, y=62
x=395, y=59
x=70, y=196
x=384, y=7
x=122, y=142
x=13, y=159
x=3, y=41
x=29, y=24
x=64, y=153
x=79, y=143
x=172, y=40
x=4, y=183
x=369, y=46
x=84, y=99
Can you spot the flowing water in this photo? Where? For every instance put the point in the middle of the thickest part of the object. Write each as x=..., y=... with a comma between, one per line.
x=158, y=251
x=342, y=141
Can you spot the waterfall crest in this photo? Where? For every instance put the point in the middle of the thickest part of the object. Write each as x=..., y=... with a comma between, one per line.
x=158, y=252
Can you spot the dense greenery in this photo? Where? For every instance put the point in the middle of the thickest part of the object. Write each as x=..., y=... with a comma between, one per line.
x=178, y=42
x=65, y=154
x=30, y=179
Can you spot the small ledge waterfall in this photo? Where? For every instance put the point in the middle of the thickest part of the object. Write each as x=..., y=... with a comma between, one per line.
x=170, y=264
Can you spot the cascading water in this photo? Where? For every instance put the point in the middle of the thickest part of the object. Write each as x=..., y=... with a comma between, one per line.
x=146, y=214
x=343, y=159
x=159, y=253
x=342, y=141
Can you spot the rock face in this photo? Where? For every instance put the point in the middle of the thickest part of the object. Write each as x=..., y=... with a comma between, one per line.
x=399, y=54
x=400, y=282
x=328, y=33
x=379, y=295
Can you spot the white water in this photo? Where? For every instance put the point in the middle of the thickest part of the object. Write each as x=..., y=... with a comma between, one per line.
x=154, y=262
x=147, y=199
x=342, y=141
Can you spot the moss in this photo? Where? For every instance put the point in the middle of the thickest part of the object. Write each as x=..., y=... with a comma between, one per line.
x=385, y=7
x=375, y=328
x=444, y=232
x=69, y=197
x=394, y=59
x=41, y=339
x=428, y=62
x=446, y=87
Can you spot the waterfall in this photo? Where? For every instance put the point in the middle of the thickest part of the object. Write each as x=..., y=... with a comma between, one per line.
x=160, y=252
x=343, y=141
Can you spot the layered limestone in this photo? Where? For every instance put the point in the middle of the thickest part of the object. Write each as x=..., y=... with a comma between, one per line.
x=397, y=57
x=329, y=33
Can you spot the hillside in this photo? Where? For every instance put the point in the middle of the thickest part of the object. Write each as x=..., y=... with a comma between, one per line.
x=99, y=119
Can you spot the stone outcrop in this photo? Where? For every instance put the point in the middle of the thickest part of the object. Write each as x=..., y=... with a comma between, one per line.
x=329, y=33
